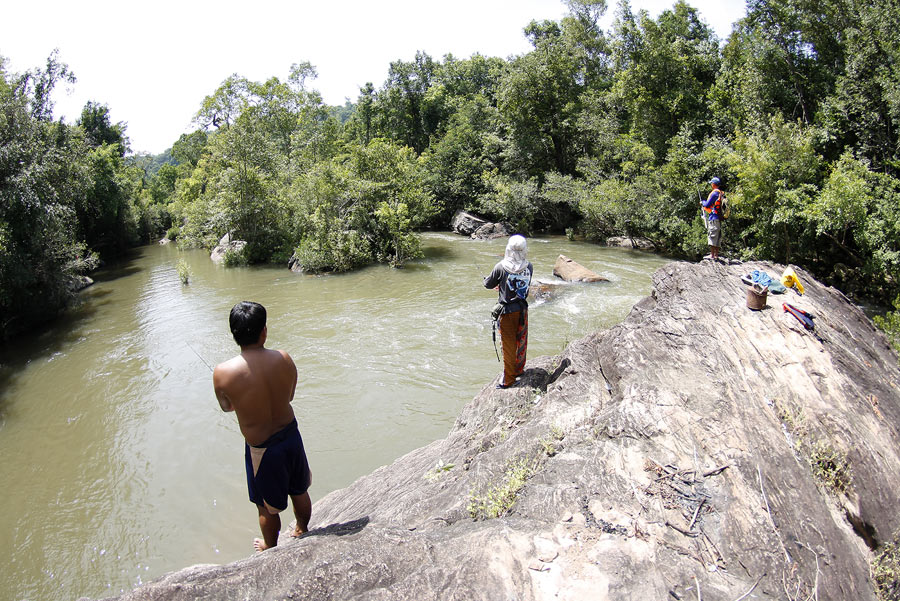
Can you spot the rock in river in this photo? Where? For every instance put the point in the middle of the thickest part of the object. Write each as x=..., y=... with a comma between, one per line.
x=226, y=244
x=571, y=271
x=466, y=223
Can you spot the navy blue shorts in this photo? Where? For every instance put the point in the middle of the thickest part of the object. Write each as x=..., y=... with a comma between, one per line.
x=277, y=468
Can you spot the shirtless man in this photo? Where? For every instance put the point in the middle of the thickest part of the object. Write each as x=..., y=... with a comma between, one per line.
x=258, y=386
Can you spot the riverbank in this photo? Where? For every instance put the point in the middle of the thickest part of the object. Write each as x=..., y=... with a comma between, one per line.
x=682, y=452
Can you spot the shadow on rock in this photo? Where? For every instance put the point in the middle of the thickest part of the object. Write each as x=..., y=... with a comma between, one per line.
x=540, y=378
x=351, y=527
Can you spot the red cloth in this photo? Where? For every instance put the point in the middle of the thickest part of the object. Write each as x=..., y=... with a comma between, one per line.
x=514, y=340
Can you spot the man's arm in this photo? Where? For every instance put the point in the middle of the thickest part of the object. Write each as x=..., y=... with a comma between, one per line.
x=711, y=200
x=493, y=280
x=219, y=377
x=293, y=370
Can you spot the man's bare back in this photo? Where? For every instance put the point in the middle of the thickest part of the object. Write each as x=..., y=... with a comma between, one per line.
x=258, y=385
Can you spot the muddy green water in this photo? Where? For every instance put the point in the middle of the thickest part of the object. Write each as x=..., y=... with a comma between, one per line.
x=117, y=463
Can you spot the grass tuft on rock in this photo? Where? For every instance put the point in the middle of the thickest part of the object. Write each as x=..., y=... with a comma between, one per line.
x=499, y=499
x=829, y=465
x=435, y=473
x=886, y=571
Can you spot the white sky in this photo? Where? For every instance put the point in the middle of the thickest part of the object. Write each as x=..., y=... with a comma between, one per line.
x=153, y=63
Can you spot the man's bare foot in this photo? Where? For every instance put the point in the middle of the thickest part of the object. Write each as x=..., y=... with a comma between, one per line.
x=294, y=531
x=259, y=544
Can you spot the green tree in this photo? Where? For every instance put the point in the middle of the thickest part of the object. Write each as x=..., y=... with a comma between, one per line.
x=456, y=162
x=863, y=111
x=188, y=149
x=665, y=69
x=539, y=99
x=99, y=130
x=779, y=171
x=105, y=215
x=401, y=102
x=42, y=175
x=392, y=200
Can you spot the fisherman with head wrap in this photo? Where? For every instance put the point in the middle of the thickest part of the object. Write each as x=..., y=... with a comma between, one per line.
x=512, y=278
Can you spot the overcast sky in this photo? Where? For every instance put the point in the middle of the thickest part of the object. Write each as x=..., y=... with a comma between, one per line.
x=152, y=63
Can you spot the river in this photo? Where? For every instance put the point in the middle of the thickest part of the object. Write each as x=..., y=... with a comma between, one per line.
x=117, y=463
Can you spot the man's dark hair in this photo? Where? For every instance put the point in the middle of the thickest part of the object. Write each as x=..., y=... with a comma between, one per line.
x=247, y=321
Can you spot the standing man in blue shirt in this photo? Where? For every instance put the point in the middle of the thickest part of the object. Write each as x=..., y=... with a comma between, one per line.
x=713, y=207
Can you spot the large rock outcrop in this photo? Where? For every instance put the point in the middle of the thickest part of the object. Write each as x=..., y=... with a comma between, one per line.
x=697, y=450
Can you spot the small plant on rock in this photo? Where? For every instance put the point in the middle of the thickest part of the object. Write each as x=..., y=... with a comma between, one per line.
x=548, y=447
x=556, y=432
x=435, y=473
x=549, y=444
x=830, y=466
x=500, y=498
x=886, y=571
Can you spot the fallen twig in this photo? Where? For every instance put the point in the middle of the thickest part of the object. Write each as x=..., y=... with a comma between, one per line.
x=816, y=584
x=720, y=559
x=678, y=473
x=690, y=533
x=696, y=512
x=716, y=471
x=697, y=582
x=665, y=467
x=752, y=588
x=682, y=551
x=787, y=556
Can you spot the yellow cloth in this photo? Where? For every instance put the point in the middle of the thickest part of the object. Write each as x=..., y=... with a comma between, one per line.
x=789, y=279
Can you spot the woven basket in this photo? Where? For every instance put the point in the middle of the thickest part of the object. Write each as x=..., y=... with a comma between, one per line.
x=756, y=297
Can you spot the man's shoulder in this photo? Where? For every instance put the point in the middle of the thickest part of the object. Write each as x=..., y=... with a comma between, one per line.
x=280, y=357
x=229, y=368
x=230, y=364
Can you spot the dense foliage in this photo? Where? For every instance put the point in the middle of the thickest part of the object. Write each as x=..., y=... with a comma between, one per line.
x=68, y=196
x=598, y=132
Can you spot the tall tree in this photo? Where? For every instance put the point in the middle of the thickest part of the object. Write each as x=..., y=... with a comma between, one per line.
x=540, y=99
x=401, y=102
x=666, y=67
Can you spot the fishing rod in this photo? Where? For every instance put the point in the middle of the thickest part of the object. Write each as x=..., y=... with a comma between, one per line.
x=494, y=334
x=198, y=356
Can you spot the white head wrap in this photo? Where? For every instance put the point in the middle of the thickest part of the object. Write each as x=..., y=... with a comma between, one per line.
x=516, y=257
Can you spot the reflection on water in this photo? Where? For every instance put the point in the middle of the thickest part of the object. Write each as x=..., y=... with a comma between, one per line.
x=118, y=465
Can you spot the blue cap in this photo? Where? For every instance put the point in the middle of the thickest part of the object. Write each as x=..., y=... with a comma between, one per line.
x=715, y=181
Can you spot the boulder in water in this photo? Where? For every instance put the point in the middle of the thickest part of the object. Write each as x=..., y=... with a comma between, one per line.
x=489, y=231
x=226, y=244
x=544, y=291
x=629, y=242
x=466, y=223
x=571, y=271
